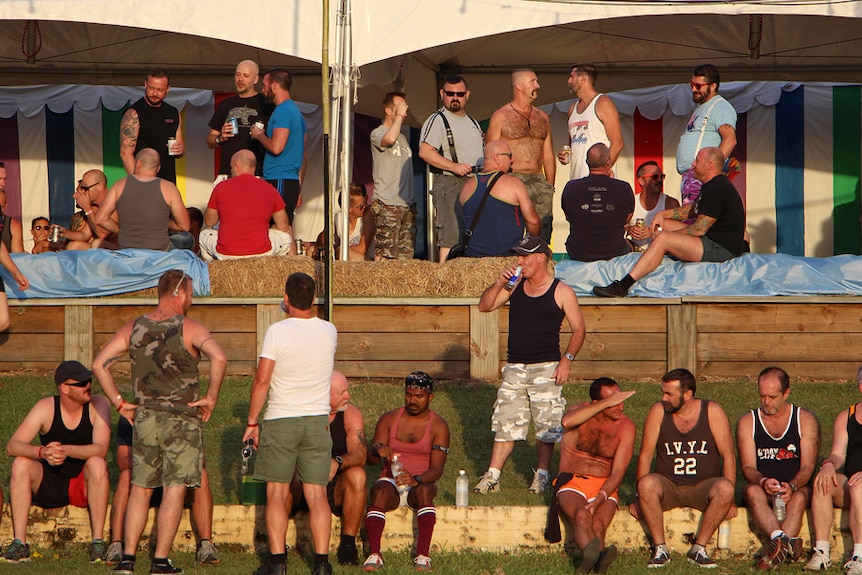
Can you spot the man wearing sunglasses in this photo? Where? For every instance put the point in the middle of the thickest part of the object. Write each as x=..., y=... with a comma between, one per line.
x=68, y=466
x=89, y=195
x=712, y=124
x=650, y=200
x=451, y=144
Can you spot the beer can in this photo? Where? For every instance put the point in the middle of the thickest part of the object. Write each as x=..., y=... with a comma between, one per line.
x=171, y=142
x=259, y=125
x=299, y=251
x=55, y=234
x=234, y=124
x=640, y=222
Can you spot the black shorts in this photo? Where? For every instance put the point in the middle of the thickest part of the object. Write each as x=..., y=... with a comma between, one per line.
x=301, y=505
x=289, y=192
x=59, y=489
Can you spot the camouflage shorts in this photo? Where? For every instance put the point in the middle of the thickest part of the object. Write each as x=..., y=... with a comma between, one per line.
x=528, y=390
x=541, y=193
x=445, y=192
x=167, y=449
x=396, y=230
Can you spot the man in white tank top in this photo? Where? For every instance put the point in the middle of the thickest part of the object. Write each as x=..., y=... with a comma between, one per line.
x=593, y=118
x=650, y=200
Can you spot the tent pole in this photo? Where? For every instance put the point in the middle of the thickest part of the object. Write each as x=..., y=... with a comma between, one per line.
x=346, y=160
x=327, y=193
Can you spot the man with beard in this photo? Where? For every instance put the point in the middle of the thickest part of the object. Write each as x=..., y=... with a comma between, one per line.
x=712, y=124
x=417, y=439
x=451, y=144
x=247, y=107
x=716, y=235
x=596, y=449
x=695, y=466
x=593, y=119
x=506, y=213
x=527, y=130
x=150, y=123
x=650, y=201
x=778, y=446
x=283, y=140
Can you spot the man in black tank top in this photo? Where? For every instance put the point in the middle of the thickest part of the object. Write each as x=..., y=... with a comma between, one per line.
x=534, y=373
x=695, y=466
x=74, y=429
x=778, y=446
x=150, y=123
x=832, y=489
x=346, y=490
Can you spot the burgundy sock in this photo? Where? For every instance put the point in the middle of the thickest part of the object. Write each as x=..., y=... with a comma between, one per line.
x=426, y=518
x=375, y=521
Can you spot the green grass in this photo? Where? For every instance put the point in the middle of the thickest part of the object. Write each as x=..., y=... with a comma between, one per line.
x=465, y=405
x=73, y=559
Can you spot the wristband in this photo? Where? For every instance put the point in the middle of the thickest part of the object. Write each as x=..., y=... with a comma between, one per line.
x=762, y=479
x=251, y=424
x=39, y=452
x=121, y=404
x=793, y=487
x=605, y=493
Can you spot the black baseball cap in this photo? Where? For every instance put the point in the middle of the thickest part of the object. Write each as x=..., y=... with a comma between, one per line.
x=532, y=245
x=73, y=370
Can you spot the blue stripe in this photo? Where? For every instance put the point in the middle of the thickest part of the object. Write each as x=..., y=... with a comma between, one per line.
x=60, y=148
x=789, y=173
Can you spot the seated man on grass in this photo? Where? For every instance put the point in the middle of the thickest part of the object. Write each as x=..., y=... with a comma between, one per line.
x=716, y=235
x=68, y=466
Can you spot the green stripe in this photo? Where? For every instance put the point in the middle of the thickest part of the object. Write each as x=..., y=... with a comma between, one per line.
x=112, y=165
x=846, y=168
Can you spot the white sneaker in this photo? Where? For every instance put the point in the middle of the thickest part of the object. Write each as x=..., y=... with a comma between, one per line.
x=373, y=563
x=540, y=483
x=854, y=566
x=422, y=563
x=487, y=484
x=819, y=561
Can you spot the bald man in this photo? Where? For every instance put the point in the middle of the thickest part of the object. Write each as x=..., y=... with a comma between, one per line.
x=243, y=207
x=246, y=107
x=148, y=208
x=716, y=235
x=89, y=195
x=527, y=130
x=508, y=210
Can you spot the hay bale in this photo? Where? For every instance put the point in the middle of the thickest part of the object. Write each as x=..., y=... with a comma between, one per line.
x=265, y=276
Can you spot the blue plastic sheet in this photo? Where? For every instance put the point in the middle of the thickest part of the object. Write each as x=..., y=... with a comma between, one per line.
x=101, y=272
x=748, y=275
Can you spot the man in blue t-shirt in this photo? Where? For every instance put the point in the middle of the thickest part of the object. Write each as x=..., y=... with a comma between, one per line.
x=283, y=140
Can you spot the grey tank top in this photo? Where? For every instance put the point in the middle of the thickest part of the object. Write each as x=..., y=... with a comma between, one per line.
x=143, y=215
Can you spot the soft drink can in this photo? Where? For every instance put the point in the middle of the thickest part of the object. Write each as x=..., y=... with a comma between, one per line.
x=234, y=125
x=171, y=142
x=510, y=284
x=55, y=233
x=299, y=251
x=259, y=125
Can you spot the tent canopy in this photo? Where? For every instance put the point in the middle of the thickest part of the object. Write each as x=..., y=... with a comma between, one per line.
x=408, y=45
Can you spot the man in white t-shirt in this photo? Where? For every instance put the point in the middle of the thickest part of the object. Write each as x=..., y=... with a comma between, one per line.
x=295, y=369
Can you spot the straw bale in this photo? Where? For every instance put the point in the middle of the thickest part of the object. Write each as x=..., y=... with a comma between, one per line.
x=265, y=276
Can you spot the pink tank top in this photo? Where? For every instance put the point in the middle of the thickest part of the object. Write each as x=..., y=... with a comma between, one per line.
x=416, y=457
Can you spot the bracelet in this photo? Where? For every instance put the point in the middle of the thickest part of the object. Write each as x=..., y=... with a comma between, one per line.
x=218, y=140
x=39, y=452
x=762, y=479
x=251, y=424
x=793, y=487
x=121, y=404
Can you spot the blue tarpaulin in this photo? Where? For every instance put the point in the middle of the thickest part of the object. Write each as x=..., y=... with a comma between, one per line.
x=748, y=275
x=97, y=272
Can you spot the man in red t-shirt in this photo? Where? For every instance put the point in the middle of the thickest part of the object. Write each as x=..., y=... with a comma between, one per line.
x=243, y=206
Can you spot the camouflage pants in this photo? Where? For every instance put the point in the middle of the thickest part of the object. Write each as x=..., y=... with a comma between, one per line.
x=167, y=449
x=396, y=230
x=541, y=193
x=528, y=389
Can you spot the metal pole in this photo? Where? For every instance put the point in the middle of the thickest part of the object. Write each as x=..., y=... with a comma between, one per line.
x=346, y=158
x=327, y=193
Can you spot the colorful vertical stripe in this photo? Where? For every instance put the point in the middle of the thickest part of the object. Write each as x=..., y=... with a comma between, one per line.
x=648, y=144
x=789, y=163
x=846, y=168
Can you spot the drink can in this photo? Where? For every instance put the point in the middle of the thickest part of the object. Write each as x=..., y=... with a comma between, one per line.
x=567, y=150
x=510, y=284
x=640, y=222
x=55, y=234
x=171, y=142
x=259, y=125
x=299, y=251
x=234, y=124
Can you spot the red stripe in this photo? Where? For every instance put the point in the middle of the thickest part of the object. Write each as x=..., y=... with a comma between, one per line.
x=219, y=96
x=9, y=154
x=648, y=143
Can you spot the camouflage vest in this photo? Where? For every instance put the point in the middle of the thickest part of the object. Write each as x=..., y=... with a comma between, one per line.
x=164, y=373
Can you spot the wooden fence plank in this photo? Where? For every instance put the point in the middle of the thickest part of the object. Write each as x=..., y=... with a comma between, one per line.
x=682, y=337
x=612, y=318
x=817, y=370
x=27, y=319
x=399, y=369
x=611, y=347
x=484, y=343
x=402, y=346
x=78, y=333
x=389, y=318
x=778, y=318
x=776, y=347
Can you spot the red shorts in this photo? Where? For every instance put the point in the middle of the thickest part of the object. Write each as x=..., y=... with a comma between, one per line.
x=588, y=487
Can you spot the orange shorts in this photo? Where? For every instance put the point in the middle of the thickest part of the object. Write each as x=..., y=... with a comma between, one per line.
x=588, y=487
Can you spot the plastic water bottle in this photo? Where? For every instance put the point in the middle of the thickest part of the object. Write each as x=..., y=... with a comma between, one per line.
x=396, y=467
x=462, y=489
x=510, y=283
x=724, y=535
x=779, y=507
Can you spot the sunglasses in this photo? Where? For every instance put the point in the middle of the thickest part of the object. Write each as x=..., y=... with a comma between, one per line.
x=505, y=154
x=39, y=228
x=86, y=188
x=656, y=177
x=452, y=94
x=84, y=383
x=697, y=86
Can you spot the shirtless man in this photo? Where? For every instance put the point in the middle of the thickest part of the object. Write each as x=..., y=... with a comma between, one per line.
x=527, y=130
x=596, y=449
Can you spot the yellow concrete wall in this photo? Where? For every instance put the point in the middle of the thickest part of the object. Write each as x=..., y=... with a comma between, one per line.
x=488, y=528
